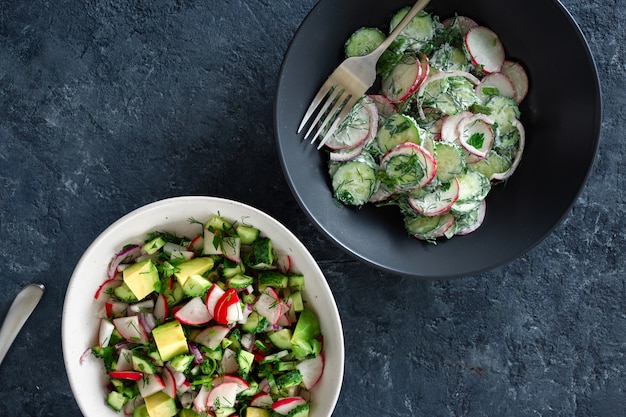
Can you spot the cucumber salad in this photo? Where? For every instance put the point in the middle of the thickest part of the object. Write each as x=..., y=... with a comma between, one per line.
x=207, y=325
x=443, y=128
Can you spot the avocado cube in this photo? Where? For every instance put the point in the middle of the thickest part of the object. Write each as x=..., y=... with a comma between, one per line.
x=170, y=340
x=141, y=278
x=160, y=405
x=195, y=266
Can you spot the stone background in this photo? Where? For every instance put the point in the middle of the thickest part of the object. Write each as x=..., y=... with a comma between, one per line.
x=108, y=105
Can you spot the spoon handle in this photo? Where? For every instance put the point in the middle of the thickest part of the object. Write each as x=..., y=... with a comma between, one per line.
x=22, y=307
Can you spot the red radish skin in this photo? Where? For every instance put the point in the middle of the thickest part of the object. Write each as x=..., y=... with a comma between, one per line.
x=311, y=370
x=428, y=160
x=262, y=400
x=194, y=312
x=485, y=49
x=443, y=206
x=170, y=382
x=211, y=336
x=127, y=375
x=161, y=309
x=499, y=81
x=284, y=405
x=213, y=295
x=516, y=73
x=403, y=81
x=225, y=305
x=464, y=23
x=355, y=129
x=223, y=395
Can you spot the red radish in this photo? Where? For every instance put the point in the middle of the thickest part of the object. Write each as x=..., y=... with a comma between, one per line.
x=184, y=387
x=242, y=385
x=476, y=136
x=213, y=295
x=485, y=49
x=269, y=305
x=106, y=287
x=342, y=155
x=449, y=127
x=498, y=81
x=194, y=312
x=222, y=395
x=211, y=336
x=141, y=306
x=124, y=361
x=311, y=370
x=231, y=247
x=130, y=329
x=177, y=251
x=169, y=381
x=262, y=400
x=425, y=159
x=425, y=63
x=441, y=75
x=354, y=130
x=105, y=332
x=516, y=73
x=464, y=23
x=227, y=308
x=150, y=384
x=285, y=405
x=385, y=107
x=403, y=80
x=479, y=220
x=128, y=375
x=518, y=156
x=283, y=261
x=438, y=202
x=161, y=309
x=179, y=377
x=200, y=402
x=115, y=308
x=229, y=364
x=196, y=244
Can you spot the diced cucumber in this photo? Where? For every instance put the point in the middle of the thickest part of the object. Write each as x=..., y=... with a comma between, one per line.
x=124, y=293
x=363, y=41
x=355, y=181
x=504, y=110
x=289, y=379
x=181, y=363
x=187, y=412
x=398, y=128
x=465, y=206
x=154, y=245
x=225, y=411
x=174, y=294
x=240, y=281
x=450, y=160
x=263, y=250
x=449, y=57
x=247, y=234
x=218, y=223
x=116, y=400
x=255, y=323
x=296, y=282
x=300, y=411
x=296, y=301
x=142, y=364
x=272, y=279
x=245, y=361
x=231, y=269
x=417, y=224
x=281, y=338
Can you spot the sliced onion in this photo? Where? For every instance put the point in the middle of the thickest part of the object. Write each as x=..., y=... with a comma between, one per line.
x=128, y=251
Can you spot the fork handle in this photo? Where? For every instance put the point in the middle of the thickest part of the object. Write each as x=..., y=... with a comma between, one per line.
x=376, y=53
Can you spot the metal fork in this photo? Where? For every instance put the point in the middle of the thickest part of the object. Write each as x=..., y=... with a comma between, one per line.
x=346, y=85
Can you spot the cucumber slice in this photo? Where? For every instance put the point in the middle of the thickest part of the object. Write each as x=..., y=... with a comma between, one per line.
x=437, y=201
x=418, y=32
x=493, y=163
x=450, y=160
x=355, y=181
x=363, y=41
x=428, y=227
x=473, y=186
x=504, y=110
x=397, y=129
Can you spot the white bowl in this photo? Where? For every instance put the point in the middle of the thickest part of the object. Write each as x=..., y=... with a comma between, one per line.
x=80, y=324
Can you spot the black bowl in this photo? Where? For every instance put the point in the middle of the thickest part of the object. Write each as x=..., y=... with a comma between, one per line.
x=561, y=114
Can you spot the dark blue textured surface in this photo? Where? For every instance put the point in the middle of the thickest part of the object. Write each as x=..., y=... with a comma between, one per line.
x=108, y=105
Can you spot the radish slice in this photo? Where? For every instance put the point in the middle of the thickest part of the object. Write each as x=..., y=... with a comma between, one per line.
x=105, y=332
x=262, y=400
x=231, y=247
x=242, y=385
x=105, y=289
x=518, y=156
x=284, y=405
x=269, y=305
x=124, y=362
x=480, y=217
x=194, y=312
x=353, y=130
x=409, y=152
x=403, y=80
x=437, y=202
x=463, y=23
x=485, y=49
x=213, y=295
x=446, y=222
x=161, y=309
x=311, y=370
x=200, y=401
x=222, y=395
x=170, y=382
x=496, y=84
x=516, y=73
x=150, y=384
x=449, y=126
x=476, y=136
x=130, y=329
x=384, y=106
